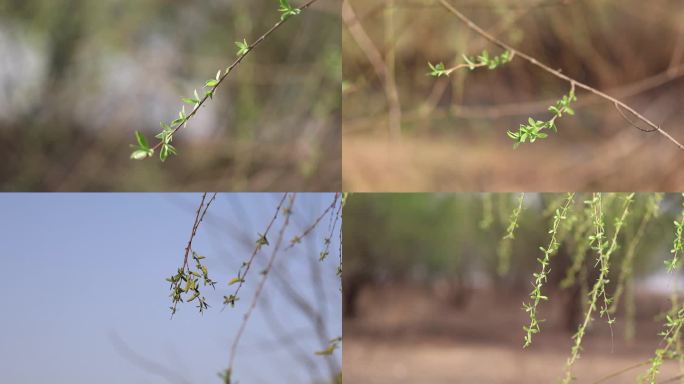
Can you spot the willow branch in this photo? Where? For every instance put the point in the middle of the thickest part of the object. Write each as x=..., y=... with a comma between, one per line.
x=208, y=95
x=619, y=104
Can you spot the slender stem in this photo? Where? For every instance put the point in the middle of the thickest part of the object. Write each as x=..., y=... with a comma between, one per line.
x=257, y=248
x=260, y=286
x=619, y=104
x=199, y=216
x=313, y=226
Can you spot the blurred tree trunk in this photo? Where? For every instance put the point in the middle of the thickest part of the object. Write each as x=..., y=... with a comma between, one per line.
x=350, y=295
x=572, y=308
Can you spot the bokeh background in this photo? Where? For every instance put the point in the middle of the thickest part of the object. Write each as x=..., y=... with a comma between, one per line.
x=450, y=134
x=85, y=298
x=78, y=77
x=425, y=301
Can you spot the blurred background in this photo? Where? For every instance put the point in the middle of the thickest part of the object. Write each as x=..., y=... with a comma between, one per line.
x=87, y=302
x=426, y=300
x=414, y=132
x=78, y=77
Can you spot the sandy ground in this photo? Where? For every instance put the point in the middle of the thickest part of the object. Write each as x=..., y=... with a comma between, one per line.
x=411, y=337
x=624, y=162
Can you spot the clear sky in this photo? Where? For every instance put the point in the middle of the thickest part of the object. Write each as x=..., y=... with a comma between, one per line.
x=85, y=300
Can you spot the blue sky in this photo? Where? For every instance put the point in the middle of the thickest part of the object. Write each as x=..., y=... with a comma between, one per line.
x=85, y=300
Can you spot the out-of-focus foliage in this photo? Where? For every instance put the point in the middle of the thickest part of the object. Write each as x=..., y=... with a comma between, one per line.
x=77, y=77
x=426, y=236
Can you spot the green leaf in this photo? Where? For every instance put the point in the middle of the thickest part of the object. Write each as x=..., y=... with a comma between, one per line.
x=191, y=101
x=163, y=152
x=193, y=297
x=171, y=149
x=243, y=47
x=437, y=70
x=142, y=141
x=287, y=10
x=140, y=154
x=262, y=240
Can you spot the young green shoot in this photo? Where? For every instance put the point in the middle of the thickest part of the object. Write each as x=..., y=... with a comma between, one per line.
x=540, y=277
x=143, y=150
x=504, y=248
x=472, y=62
x=185, y=283
x=262, y=241
x=286, y=10
x=243, y=47
x=671, y=336
x=677, y=244
x=604, y=250
x=533, y=130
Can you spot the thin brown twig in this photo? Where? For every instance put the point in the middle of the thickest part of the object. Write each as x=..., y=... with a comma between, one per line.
x=260, y=286
x=199, y=216
x=379, y=65
x=228, y=70
x=248, y=263
x=629, y=121
x=439, y=88
x=313, y=226
x=523, y=108
x=470, y=24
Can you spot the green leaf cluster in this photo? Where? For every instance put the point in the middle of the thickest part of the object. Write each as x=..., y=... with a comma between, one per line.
x=671, y=337
x=185, y=284
x=243, y=47
x=286, y=10
x=472, y=62
x=533, y=130
x=165, y=137
x=143, y=149
x=541, y=277
x=484, y=60
x=438, y=70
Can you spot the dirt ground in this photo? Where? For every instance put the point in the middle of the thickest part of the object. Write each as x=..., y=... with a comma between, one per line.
x=408, y=335
x=627, y=161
